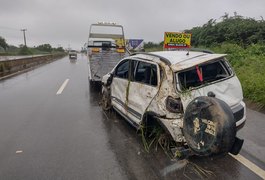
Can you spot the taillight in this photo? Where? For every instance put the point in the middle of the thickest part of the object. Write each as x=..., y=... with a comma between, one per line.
x=174, y=105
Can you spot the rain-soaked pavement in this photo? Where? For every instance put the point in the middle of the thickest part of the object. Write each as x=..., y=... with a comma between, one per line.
x=48, y=135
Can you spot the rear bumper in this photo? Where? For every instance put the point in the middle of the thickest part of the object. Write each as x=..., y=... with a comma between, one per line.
x=240, y=126
x=73, y=56
x=239, y=113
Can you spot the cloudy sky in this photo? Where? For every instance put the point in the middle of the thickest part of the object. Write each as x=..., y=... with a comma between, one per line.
x=66, y=22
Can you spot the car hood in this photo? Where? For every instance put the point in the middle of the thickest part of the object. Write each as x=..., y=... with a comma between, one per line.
x=229, y=90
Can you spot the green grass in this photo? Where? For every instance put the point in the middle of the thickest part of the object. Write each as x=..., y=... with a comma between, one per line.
x=15, y=51
x=154, y=49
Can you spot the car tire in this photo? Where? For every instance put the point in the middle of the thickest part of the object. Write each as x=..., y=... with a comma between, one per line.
x=209, y=126
x=106, y=101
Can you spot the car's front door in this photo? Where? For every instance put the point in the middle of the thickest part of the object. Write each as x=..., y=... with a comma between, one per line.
x=119, y=85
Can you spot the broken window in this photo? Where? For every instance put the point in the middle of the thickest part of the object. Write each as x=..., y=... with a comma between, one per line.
x=146, y=73
x=204, y=73
x=122, y=70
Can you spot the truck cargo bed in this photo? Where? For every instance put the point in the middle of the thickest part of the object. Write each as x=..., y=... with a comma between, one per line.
x=101, y=63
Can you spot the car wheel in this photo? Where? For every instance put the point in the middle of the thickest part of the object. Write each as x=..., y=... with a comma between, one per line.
x=209, y=126
x=105, y=101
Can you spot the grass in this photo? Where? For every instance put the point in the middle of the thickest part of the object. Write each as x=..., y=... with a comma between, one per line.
x=15, y=51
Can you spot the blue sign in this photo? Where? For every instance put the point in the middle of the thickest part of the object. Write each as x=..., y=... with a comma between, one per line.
x=136, y=44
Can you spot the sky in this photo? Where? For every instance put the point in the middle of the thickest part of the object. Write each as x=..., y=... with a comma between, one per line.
x=66, y=22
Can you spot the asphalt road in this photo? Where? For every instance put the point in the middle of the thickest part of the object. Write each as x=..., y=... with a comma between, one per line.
x=52, y=127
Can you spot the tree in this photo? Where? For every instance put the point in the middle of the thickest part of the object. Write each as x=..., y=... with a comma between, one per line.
x=59, y=49
x=45, y=47
x=235, y=29
x=3, y=43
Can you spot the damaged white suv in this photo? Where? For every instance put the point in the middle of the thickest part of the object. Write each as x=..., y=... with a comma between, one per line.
x=194, y=96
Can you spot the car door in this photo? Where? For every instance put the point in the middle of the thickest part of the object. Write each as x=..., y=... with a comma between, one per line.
x=119, y=85
x=142, y=88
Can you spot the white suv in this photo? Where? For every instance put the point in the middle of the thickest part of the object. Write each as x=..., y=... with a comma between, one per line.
x=194, y=96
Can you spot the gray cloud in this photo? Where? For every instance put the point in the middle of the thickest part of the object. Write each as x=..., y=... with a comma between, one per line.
x=66, y=22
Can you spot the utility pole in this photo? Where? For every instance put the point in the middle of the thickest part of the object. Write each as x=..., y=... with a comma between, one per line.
x=24, y=34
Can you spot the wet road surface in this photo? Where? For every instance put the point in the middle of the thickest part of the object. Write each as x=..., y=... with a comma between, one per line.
x=49, y=135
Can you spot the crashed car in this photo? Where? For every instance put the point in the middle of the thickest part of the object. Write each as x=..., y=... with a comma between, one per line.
x=194, y=96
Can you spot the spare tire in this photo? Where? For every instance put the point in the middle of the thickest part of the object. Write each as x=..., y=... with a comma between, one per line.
x=209, y=126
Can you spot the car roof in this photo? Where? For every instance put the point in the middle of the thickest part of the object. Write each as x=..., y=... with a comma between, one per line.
x=179, y=60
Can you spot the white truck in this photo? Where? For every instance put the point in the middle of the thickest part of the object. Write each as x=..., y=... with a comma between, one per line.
x=106, y=46
x=72, y=54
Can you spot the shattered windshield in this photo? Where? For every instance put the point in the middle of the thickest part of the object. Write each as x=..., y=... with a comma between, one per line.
x=204, y=73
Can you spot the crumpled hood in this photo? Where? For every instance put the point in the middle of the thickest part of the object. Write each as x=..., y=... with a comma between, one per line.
x=230, y=91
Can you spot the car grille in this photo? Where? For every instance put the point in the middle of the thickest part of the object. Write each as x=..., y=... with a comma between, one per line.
x=238, y=112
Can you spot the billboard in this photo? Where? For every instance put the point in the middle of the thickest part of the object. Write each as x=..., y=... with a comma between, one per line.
x=135, y=44
x=177, y=40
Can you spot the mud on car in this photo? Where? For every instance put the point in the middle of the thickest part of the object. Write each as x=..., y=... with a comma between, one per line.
x=195, y=97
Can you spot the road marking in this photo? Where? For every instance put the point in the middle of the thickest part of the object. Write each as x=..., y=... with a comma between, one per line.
x=253, y=167
x=62, y=87
x=173, y=167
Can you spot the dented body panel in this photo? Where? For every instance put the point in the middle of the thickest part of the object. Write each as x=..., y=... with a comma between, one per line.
x=229, y=91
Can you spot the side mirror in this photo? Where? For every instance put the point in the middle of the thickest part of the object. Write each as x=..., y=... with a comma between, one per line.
x=107, y=79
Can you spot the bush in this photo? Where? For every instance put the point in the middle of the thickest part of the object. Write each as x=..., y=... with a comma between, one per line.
x=25, y=51
x=256, y=49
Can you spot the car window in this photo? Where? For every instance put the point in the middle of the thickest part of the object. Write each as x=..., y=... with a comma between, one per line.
x=205, y=73
x=146, y=73
x=122, y=70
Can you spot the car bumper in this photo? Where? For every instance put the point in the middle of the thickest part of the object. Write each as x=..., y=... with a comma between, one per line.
x=73, y=56
x=239, y=112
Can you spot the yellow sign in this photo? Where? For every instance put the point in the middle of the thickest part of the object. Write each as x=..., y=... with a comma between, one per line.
x=120, y=42
x=177, y=40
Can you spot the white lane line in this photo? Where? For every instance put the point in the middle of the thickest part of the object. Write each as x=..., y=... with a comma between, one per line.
x=62, y=87
x=19, y=151
x=173, y=167
x=253, y=167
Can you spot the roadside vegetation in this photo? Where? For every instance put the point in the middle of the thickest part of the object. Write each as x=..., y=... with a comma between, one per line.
x=10, y=50
x=243, y=39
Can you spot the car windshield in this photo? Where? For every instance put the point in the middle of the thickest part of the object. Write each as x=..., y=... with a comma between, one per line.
x=203, y=74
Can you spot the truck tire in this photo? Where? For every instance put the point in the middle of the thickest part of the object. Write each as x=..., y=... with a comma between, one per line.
x=209, y=126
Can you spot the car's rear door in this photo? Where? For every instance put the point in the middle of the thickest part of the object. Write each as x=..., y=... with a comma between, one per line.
x=142, y=88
